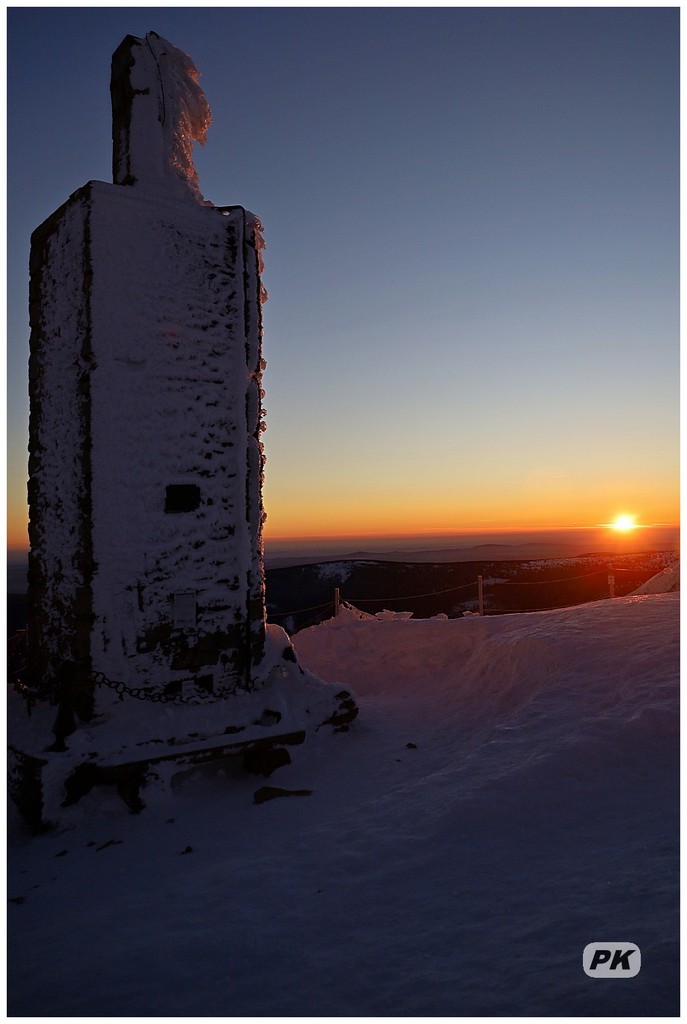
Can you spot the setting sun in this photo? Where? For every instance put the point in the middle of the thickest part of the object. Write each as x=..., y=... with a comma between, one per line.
x=624, y=523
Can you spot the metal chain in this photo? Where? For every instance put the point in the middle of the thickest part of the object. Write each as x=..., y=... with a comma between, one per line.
x=141, y=693
x=32, y=695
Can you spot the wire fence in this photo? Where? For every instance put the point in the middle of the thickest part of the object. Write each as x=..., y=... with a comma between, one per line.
x=411, y=597
x=300, y=611
x=479, y=585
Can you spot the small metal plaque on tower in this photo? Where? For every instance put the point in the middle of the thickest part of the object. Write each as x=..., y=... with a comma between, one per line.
x=185, y=610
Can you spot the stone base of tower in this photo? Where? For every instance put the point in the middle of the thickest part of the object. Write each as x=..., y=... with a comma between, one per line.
x=132, y=745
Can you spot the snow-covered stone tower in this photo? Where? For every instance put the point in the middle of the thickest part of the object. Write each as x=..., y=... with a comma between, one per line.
x=146, y=411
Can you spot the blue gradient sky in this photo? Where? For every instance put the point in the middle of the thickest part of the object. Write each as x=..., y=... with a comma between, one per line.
x=472, y=225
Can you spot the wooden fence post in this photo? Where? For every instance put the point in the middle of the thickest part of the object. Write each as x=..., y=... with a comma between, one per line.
x=611, y=585
x=337, y=600
x=480, y=595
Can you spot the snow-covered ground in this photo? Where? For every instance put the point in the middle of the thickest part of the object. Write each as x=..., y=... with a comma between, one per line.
x=665, y=582
x=507, y=796
x=338, y=572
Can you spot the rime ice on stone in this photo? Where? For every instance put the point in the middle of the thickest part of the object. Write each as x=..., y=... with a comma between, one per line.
x=159, y=112
x=146, y=576
x=146, y=411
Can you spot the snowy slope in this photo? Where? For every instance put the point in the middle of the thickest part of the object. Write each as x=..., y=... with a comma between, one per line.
x=665, y=582
x=508, y=795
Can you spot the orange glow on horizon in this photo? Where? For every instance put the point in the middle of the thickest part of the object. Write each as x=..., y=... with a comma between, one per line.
x=321, y=509
x=349, y=501
x=309, y=512
x=282, y=525
x=624, y=523
x=17, y=531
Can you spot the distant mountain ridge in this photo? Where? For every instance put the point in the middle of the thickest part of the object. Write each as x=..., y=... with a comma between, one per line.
x=491, y=552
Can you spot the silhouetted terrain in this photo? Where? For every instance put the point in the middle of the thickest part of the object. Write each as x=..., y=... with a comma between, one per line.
x=16, y=613
x=299, y=596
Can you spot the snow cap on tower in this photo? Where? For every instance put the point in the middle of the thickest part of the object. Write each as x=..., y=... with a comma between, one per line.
x=158, y=111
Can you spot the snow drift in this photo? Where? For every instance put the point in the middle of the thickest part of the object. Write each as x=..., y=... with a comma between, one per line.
x=508, y=794
x=510, y=691
x=665, y=582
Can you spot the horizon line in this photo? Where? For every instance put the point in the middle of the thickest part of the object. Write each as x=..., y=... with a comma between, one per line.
x=424, y=534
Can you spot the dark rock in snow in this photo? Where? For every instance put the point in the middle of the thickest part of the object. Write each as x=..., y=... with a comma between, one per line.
x=263, y=761
x=110, y=842
x=268, y=718
x=272, y=792
x=344, y=714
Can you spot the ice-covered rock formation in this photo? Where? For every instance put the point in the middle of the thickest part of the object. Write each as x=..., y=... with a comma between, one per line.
x=146, y=463
x=159, y=111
